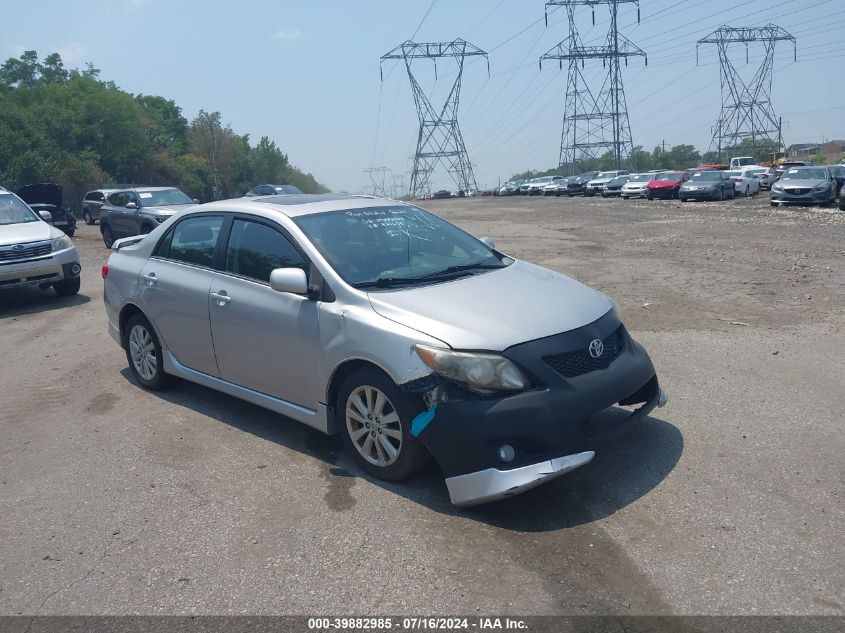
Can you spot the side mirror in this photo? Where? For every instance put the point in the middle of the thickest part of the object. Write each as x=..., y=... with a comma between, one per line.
x=131, y=205
x=292, y=280
x=196, y=201
x=46, y=216
x=489, y=242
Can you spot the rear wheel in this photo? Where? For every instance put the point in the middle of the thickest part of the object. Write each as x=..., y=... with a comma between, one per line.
x=375, y=420
x=86, y=215
x=143, y=351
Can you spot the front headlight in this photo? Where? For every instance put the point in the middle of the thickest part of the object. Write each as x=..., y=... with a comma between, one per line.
x=61, y=243
x=777, y=187
x=480, y=372
x=821, y=187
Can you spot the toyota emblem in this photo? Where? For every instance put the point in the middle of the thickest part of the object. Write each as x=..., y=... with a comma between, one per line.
x=596, y=348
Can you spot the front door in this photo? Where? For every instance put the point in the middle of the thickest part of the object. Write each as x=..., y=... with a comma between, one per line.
x=175, y=284
x=264, y=340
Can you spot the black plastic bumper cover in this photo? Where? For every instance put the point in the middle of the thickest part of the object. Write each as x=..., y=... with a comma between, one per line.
x=551, y=420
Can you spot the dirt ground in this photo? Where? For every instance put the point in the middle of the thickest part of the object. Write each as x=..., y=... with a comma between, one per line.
x=727, y=501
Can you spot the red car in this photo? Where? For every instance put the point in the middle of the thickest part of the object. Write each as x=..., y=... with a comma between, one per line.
x=667, y=184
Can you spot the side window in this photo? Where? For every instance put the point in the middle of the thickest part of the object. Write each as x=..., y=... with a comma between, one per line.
x=117, y=199
x=192, y=240
x=91, y=195
x=255, y=250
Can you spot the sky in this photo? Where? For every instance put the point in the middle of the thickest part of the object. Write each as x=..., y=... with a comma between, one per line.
x=306, y=73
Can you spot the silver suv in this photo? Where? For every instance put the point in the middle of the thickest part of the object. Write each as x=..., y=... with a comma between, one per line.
x=138, y=211
x=386, y=324
x=32, y=252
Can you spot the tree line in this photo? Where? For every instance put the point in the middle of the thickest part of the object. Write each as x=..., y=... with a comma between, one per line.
x=677, y=157
x=70, y=127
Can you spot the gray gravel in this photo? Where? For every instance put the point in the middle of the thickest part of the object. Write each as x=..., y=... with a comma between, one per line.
x=727, y=501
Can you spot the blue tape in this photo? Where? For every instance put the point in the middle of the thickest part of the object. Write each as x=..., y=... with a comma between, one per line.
x=419, y=423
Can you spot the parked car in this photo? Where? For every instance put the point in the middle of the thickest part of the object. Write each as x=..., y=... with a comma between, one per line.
x=535, y=185
x=596, y=184
x=440, y=195
x=47, y=196
x=637, y=186
x=765, y=174
x=745, y=182
x=32, y=252
x=272, y=190
x=510, y=188
x=804, y=185
x=838, y=173
x=557, y=187
x=789, y=164
x=577, y=185
x=365, y=317
x=842, y=199
x=138, y=211
x=707, y=185
x=614, y=187
x=93, y=202
x=667, y=184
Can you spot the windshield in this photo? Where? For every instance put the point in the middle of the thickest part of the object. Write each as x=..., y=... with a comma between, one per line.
x=283, y=189
x=13, y=211
x=619, y=180
x=670, y=175
x=706, y=175
x=397, y=244
x=163, y=198
x=641, y=178
x=805, y=174
x=734, y=174
x=757, y=172
x=606, y=174
x=744, y=161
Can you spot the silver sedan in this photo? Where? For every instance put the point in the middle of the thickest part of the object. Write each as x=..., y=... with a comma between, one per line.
x=385, y=324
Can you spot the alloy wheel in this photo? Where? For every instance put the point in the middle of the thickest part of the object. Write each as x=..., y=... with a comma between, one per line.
x=373, y=425
x=143, y=352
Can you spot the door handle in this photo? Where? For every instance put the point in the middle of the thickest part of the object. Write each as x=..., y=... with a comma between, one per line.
x=221, y=297
x=150, y=278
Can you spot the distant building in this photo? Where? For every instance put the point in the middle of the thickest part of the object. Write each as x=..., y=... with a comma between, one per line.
x=802, y=150
x=834, y=151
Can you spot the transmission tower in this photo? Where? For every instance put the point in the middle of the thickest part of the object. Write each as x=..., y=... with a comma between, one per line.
x=439, y=139
x=377, y=177
x=747, y=111
x=398, y=188
x=594, y=122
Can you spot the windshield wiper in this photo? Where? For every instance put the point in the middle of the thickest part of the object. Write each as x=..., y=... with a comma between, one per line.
x=386, y=282
x=451, y=270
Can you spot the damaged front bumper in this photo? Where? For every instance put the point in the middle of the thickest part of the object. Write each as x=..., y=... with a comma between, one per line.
x=492, y=448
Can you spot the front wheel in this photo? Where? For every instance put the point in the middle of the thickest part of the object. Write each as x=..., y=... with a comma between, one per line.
x=67, y=287
x=108, y=236
x=375, y=420
x=87, y=217
x=143, y=351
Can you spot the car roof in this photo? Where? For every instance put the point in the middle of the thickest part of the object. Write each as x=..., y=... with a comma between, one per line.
x=145, y=189
x=296, y=205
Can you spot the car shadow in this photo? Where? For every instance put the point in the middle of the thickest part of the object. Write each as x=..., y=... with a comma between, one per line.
x=623, y=470
x=26, y=300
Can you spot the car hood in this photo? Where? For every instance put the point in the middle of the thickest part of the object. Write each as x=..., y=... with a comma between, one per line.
x=168, y=210
x=702, y=183
x=495, y=310
x=802, y=183
x=663, y=183
x=44, y=193
x=27, y=232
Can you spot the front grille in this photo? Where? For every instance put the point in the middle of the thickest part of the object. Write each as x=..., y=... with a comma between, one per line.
x=24, y=251
x=571, y=364
x=798, y=191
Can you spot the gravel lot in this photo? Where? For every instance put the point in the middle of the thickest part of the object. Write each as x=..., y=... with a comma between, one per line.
x=727, y=501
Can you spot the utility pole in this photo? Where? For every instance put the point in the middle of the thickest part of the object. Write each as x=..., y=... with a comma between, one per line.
x=747, y=111
x=439, y=139
x=594, y=121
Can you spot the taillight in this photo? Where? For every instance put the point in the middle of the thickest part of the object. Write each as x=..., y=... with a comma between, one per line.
x=104, y=271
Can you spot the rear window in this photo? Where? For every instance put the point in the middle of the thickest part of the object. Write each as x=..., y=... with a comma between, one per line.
x=192, y=240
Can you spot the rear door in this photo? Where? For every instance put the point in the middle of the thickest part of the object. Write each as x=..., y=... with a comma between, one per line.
x=175, y=284
x=264, y=340
x=118, y=214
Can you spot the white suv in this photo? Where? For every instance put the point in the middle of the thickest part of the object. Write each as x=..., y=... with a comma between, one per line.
x=596, y=185
x=32, y=252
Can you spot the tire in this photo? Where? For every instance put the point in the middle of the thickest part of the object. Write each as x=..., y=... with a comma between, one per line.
x=141, y=343
x=70, y=232
x=67, y=287
x=355, y=410
x=774, y=204
x=721, y=194
x=86, y=215
x=745, y=195
x=146, y=229
x=108, y=236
